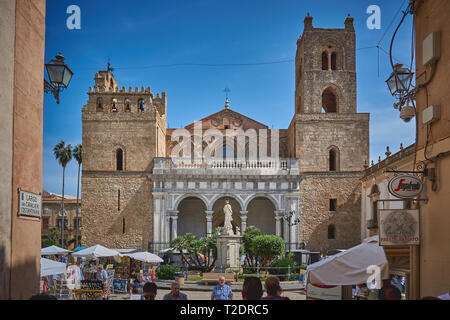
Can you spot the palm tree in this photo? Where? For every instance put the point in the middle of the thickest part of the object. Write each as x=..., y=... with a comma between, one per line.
x=77, y=154
x=63, y=154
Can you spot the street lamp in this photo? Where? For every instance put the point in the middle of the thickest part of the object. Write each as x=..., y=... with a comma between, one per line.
x=59, y=75
x=288, y=218
x=398, y=80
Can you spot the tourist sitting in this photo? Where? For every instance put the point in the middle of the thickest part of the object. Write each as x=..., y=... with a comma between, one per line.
x=222, y=291
x=175, y=293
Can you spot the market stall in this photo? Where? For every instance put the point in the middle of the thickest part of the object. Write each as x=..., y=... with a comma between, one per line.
x=344, y=270
x=53, y=250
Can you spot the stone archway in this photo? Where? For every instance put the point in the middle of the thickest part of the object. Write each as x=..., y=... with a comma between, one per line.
x=261, y=214
x=219, y=217
x=191, y=217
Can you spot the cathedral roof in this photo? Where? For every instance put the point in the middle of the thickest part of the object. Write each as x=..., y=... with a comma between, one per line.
x=228, y=119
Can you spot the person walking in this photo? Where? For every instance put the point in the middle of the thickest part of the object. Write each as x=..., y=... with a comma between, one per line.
x=222, y=291
x=137, y=285
x=102, y=276
x=175, y=293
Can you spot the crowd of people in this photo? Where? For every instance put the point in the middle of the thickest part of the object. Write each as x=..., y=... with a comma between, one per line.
x=252, y=289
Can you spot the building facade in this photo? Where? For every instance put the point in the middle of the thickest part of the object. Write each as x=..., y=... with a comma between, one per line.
x=140, y=190
x=433, y=143
x=21, y=88
x=53, y=218
x=376, y=196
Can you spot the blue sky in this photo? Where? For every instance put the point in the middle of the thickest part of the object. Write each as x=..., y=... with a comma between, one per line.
x=137, y=35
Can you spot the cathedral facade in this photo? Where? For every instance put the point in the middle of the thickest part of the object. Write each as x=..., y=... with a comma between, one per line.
x=139, y=191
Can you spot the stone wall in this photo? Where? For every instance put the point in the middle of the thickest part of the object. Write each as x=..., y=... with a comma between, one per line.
x=103, y=216
x=316, y=190
x=316, y=133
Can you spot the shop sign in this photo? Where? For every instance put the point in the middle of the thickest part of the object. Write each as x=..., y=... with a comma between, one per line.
x=399, y=227
x=405, y=186
x=30, y=204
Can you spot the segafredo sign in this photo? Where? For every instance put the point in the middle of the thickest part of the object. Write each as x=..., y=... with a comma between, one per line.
x=405, y=186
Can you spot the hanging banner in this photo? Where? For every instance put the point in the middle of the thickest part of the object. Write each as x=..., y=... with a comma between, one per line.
x=405, y=186
x=399, y=227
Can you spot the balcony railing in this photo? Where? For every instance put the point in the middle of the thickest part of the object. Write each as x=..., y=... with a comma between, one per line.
x=186, y=163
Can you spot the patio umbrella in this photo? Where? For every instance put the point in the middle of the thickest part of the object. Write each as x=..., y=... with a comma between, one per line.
x=50, y=267
x=145, y=257
x=53, y=250
x=96, y=251
x=350, y=267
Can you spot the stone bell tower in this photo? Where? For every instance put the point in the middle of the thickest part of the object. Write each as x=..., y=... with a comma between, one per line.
x=328, y=136
x=123, y=131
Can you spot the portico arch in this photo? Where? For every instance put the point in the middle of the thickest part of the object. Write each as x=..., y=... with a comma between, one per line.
x=191, y=216
x=261, y=214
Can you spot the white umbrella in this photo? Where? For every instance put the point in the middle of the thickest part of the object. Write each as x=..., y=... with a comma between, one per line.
x=145, y=257
x=96, y=251
x=350, y=267
x=53, y=250
x=49, y=267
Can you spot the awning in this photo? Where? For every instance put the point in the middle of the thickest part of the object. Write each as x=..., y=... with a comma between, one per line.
x=145, y=257
x=350, y=267
x=53, y=250
x=96, y=251
x=50, y=267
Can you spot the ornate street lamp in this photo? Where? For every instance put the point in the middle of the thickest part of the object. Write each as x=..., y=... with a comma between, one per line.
x=288, y=218
x=398, y=80
x=59, y=75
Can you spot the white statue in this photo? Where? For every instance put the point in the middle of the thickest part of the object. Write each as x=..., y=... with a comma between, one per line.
x=228, y=211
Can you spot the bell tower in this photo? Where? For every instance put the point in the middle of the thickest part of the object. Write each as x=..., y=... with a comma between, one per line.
x=325, y=73
x=330, y=135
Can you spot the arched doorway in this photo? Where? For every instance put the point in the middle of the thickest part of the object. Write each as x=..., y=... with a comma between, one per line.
x=261, y=214
x=219, y=216
x=191, y=217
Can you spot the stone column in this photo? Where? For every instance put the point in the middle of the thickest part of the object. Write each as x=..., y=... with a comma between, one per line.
x=243, y=221
x=172, y=215
x=278, y=221
x=209, y=217
x=158, y=199
x=174, y=226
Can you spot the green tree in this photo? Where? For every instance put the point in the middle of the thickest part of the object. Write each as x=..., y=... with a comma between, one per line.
x=250, y=233
x=190, y=249
x=267, y=247
x=63, y=153
x=77, y=154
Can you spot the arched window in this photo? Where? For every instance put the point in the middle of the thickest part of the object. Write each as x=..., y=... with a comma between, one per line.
x=127, y=106
x=334, y=61
x=114, y=105
x=333, y=160
x=141, y=105
x=324, y=60
x=119, y=159
x=331, y=232
x=227, y=152
x=329, y=101
x=99, y=105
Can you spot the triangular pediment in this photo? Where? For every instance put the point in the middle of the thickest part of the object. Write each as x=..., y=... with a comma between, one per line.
x=228, y=119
